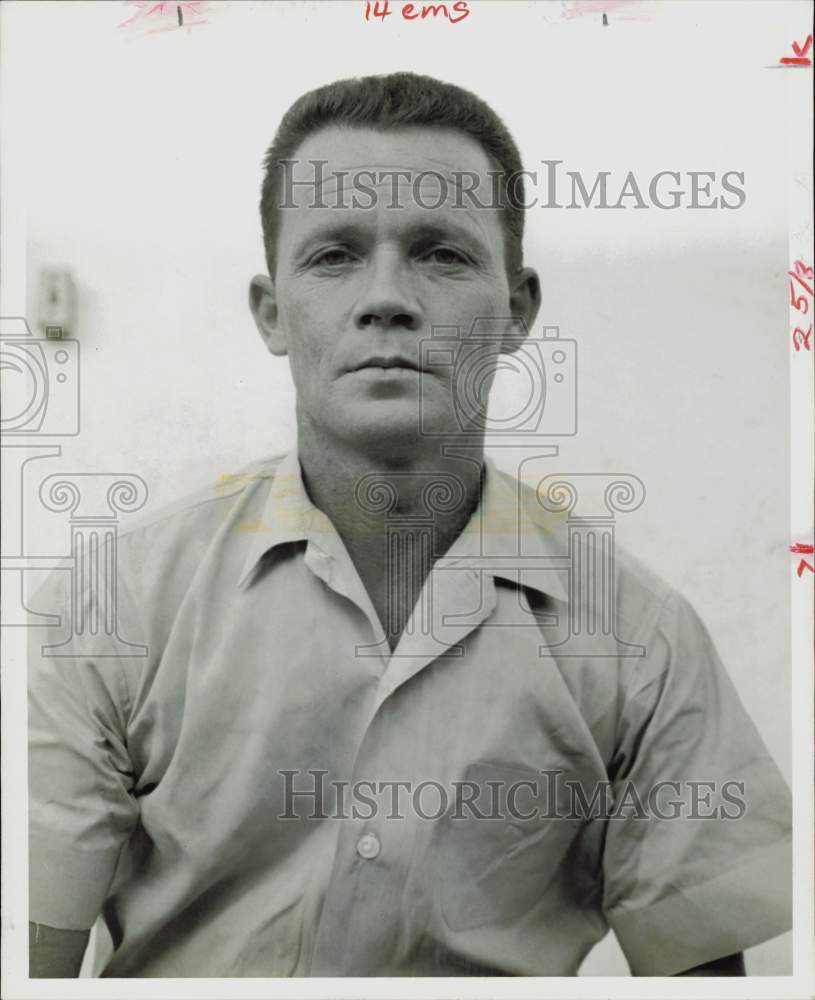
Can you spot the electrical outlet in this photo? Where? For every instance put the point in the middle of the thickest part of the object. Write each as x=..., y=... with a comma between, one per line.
x=57, y=302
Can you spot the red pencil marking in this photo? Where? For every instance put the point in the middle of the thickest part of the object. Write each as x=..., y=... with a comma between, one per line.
x=169, y=15
x=803, y=549
x=623, y=10
x=800, y=303
x=800, y=57
x=803, y=338
x=802, y=52
x=800, y=281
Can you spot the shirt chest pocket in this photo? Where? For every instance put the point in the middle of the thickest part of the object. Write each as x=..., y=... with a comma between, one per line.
x=502, y=844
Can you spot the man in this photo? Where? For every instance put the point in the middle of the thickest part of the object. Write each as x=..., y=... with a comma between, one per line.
x=378, y=614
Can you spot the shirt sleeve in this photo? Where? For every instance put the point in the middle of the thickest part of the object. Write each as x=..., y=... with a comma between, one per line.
x=81, y=806
x=697, y=858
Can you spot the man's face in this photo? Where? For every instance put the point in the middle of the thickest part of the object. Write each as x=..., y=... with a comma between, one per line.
x=357, y=288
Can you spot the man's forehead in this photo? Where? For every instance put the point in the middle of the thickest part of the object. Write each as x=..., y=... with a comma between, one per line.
x=415, y=149
x=370, y=172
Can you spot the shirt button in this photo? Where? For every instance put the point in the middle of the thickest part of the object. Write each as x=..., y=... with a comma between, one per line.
x=368, y=847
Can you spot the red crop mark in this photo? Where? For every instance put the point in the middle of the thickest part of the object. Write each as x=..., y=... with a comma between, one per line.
x=807, y=550
x=623, y=10
x=162, y=15
x=800, y=57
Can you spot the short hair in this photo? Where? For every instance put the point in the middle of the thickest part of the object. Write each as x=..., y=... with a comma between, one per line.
x=396, y=100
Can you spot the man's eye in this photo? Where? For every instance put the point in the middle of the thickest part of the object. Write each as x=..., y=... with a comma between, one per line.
x=445, y=255
x=335, y=257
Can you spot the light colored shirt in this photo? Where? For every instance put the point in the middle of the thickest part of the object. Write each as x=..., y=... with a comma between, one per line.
x=160, y=784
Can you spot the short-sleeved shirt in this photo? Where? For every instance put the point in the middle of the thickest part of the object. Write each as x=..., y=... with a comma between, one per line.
x=264, y=789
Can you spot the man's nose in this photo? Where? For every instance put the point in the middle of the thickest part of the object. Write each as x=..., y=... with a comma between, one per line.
x=388, y=299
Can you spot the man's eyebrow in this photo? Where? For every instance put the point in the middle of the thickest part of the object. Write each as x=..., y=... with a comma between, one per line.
x=331, y=231
x=420, y=230
x=449, y=229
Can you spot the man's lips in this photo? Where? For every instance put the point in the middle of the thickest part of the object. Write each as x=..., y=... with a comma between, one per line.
x=382, y=362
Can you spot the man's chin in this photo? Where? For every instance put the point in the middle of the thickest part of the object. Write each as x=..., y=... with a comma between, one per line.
x=388, y=430
x=383, y=433
x=392, y=427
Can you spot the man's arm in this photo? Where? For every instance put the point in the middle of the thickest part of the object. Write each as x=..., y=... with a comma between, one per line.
x=727, y=886
x=54, y=953
x=82, y=809
x=730, y=965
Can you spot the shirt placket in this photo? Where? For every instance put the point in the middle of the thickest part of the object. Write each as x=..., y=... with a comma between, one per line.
x=362, y=924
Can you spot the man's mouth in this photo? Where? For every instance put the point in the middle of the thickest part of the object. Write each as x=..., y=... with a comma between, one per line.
x=387, y=362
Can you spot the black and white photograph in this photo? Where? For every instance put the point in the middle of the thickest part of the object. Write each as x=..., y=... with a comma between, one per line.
x=407, y=487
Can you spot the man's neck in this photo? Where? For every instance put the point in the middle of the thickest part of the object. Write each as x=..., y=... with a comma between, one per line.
x=380, y=503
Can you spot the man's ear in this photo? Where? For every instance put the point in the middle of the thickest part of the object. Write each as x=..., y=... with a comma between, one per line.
x=524, y=302
x=263, y=303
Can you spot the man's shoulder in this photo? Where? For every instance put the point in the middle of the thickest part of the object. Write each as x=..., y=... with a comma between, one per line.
x=194, y=514
x=163, y=550
x=596, y=562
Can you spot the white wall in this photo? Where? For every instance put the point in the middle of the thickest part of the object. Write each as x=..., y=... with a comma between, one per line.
x=143, y=162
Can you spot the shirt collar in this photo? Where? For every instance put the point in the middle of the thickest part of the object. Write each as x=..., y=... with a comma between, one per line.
x=286, y=515
x=509, y=535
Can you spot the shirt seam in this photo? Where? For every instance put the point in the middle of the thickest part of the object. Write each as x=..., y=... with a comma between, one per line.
x=161, y=517
x=629, y=698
